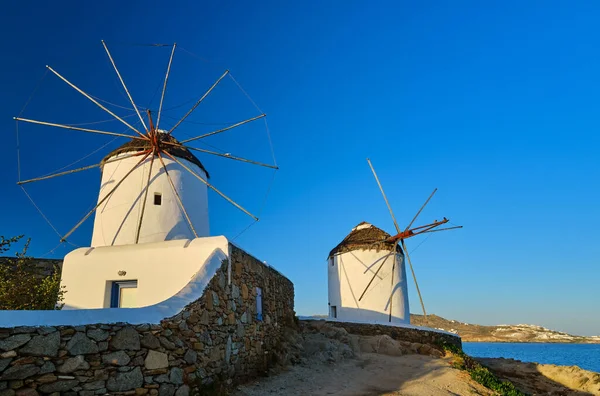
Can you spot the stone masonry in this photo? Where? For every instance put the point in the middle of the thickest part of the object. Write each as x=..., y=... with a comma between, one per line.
x=217, y=338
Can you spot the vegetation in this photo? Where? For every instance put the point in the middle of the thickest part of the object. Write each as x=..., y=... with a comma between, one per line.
x=23, y=286
x=479, y=373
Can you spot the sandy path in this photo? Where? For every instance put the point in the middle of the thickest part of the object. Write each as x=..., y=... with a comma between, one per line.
x=369, y=374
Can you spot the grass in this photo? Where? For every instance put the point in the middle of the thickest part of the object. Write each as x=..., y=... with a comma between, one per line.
x=479, y=373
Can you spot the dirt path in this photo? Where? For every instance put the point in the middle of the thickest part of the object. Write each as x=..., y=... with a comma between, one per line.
x=369, y=374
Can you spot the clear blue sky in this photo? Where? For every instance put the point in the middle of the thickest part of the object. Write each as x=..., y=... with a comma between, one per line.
x=494, y=103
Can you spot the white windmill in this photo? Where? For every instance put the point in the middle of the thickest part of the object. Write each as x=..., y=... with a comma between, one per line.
x=151, y=229
x=367, y=275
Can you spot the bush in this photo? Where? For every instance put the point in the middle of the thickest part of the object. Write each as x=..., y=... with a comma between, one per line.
x=479, y=373
x=23, y=286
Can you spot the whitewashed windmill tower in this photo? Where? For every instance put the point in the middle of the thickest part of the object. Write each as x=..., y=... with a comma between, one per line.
x=151, y=226
x=367, y=274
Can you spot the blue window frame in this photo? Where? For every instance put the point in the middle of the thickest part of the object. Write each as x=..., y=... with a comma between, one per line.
x=116, y=292
x=259, y=306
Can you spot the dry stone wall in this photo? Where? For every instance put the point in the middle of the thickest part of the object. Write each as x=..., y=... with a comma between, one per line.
x=218, y=338
x=406, y=334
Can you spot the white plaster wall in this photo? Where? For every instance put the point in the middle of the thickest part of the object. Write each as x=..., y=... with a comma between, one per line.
x=161, y=269
x=116, y=220
x=153, y=314
x=348, y=277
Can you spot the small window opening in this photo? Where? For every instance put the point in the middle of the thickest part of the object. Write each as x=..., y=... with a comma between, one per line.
x=123, y=294
x=333, y=312
x=157, y=199
x=259, y=307
x=331, y=261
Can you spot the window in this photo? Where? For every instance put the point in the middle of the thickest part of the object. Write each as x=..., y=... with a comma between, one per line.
x=333, y=311
x=157, y=198
x=331, y=261
x=123, y=294
x=259, y=304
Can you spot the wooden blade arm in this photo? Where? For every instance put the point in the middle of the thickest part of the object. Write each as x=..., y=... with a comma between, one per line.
x=224, y=129
x=212, y=187
x=64, y=238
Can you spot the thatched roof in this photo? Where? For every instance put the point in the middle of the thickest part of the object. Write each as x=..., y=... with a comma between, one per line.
x=139, y=145
x=365, y=236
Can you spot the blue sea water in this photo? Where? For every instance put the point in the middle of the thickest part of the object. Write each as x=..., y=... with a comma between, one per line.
x=586, y=356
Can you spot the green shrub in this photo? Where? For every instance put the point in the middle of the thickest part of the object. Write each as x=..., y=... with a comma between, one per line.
x=23, y=286
x=480, y=373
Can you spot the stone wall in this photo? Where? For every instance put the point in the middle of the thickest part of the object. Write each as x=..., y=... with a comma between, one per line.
x=46, y=267
x=217, y=338
x=407, y=334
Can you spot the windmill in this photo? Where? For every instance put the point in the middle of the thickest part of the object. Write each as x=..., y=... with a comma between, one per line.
x=408, y=232
x=150, y=234
x=150, y=153
x=364, y=285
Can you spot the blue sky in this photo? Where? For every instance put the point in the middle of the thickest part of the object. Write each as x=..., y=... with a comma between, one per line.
x=495, y=104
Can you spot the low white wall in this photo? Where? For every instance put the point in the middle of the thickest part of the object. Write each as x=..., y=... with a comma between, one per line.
x=349, y=276
x=161, y=269
x=153, y=314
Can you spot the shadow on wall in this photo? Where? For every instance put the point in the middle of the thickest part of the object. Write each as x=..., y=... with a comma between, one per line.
x=152, y=314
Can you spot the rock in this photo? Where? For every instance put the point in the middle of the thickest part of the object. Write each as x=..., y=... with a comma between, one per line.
x=27, y=392
x=204, y=318
x=47, y=378
x=183, y=390
x=8, y=354
x=156, y=360
x=47, y=367
x=119, y=358
x=244, y=291
x=176, y=376
x=166, y=390
x=126, y=381
x=15, y=341
x=59, y=386
x=73, y=364
x=141, y=391
x=166, y=343
x=43, y=345
x=190, y=356
x=46, y=330
x=19, y=372
x=161, y=378
x=8, y=392
x=94, y=385
x=97, y=334
x=80, y=344
x=150, y=341
x=126, y=339
x=4, y=363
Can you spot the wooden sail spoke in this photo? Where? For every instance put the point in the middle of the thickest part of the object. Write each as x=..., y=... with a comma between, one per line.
x=420, y=210
x=375, y=275
x=414, y=276
x=162, y=97
x=392, y=286
x=198, y=102
x=78, y=169
x=229, y=156
x=224, y=129
x=179, y=201
x=212, y=187
x=139, y=228
x=441, y=229
x=384, y=196
x=123, y=83
x=108, y=195
x=77, y=128
x=95, y=102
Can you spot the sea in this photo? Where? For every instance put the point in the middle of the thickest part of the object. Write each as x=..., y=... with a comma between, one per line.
x=586, y=356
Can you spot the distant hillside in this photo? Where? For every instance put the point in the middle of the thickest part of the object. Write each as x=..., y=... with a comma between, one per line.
x=499, y=333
